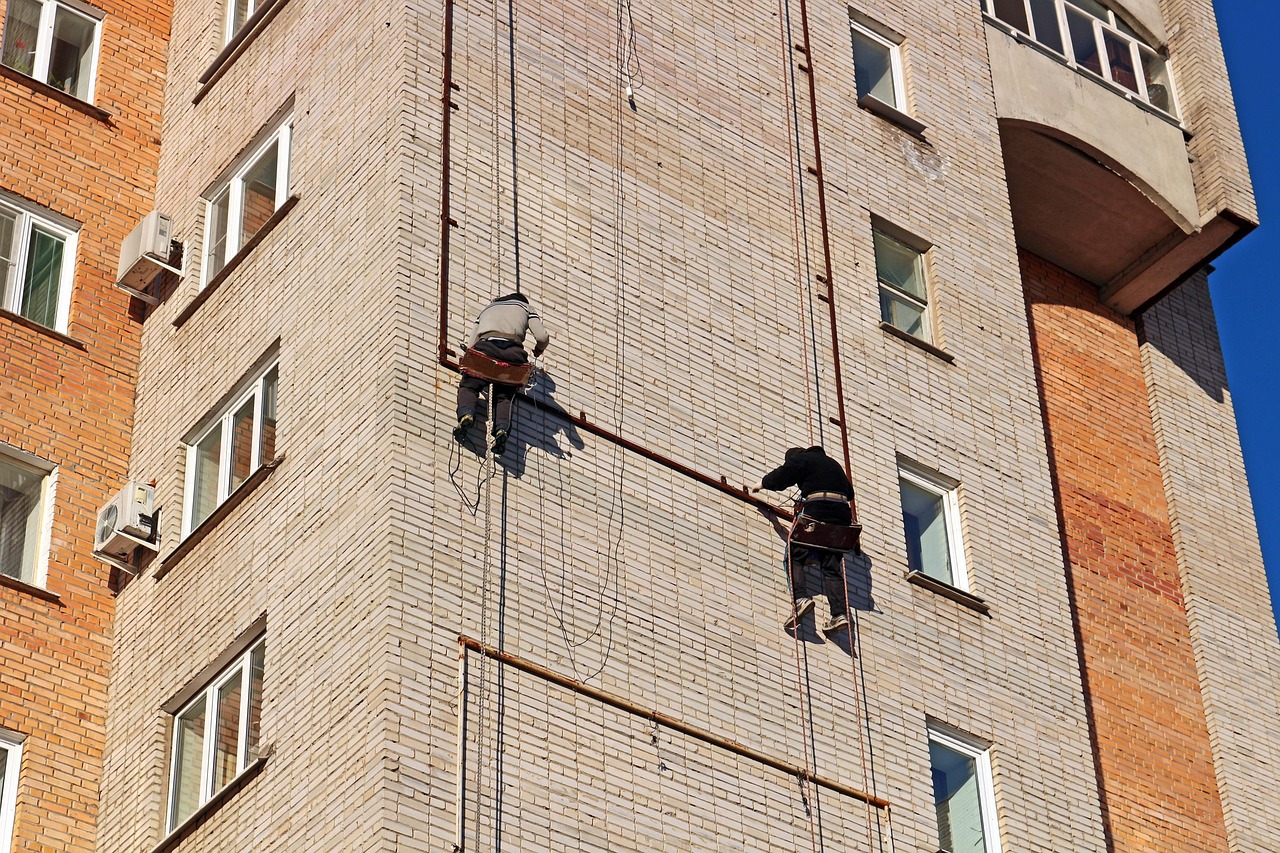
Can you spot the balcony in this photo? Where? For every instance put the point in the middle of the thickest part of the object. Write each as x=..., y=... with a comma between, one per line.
x=1096, y=159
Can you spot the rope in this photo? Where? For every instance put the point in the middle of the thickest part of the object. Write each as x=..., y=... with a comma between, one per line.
x=806, y=712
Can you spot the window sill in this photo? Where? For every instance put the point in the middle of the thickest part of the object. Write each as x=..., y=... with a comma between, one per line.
x=42, y=329
x=198, y=817
x=230, y=266
x=936, y=352
x=204, y=528
x=31, y=590
x=872, y=104
x=946, y=590
x=239, y=43
x=96, y=113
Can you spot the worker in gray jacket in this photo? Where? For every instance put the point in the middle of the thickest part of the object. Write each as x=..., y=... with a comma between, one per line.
x=499, y=333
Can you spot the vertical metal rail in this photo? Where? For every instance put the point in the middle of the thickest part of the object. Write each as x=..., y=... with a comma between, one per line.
x=446, y=222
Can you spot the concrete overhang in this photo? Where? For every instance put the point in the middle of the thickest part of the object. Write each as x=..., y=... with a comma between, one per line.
x=1098, y=185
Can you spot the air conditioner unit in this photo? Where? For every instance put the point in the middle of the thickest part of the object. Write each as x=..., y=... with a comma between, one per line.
x=144, y=253
x=125, y=523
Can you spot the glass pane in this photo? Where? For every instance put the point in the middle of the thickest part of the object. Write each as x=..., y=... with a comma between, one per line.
x=242, y=444
x=226, y=733
x=208, y=459
x=269, y=383
x=1093, y=7
x=955, y=797
x=4, y=766
x=188, y=752
x=216, y=252
x=257, y=661
x=1159, y=89
x=1083, y=42
x=8, y=250
x=21, y=505
x=71, y=55
x=925, y=524
x=39, y=301
x=1013, y=13
x=902, y=314
x=873, y=69
x=21, y=27
x=899, y=265
x=240, y=12
x=1120, y=59
x=1045, y=18
x=259, y=194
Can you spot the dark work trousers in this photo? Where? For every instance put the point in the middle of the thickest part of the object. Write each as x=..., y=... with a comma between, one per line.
x=470, y=388
x=831, y=563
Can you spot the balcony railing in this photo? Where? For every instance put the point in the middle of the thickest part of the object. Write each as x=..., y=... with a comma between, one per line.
x=1097, y=46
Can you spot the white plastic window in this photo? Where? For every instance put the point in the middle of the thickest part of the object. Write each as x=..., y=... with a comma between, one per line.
x=237, y=208
x=215, y=736
x=230, y=448
x=931, y=525
x=26, y=490
x=37, y=257
x=904, y=293
x=963, y=794
x=10, y=764
x=877, y=67
x=54, y=42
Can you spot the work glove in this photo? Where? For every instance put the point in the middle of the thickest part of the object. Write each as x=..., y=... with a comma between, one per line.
x=755, y=487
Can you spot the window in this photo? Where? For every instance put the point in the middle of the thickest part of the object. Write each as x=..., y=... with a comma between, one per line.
x=238, y=12
x=10, y=761
x=931, y=522
x=963, y=794
x=25, y=492
x=237, y=208
x=1092, y=38
x=215, y=736
x=228, y=450
x=36, y=259
x=54, y=42
x=877, y=66
x=904, y=299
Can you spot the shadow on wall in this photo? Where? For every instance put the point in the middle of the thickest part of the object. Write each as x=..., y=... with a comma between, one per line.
x=533, y=427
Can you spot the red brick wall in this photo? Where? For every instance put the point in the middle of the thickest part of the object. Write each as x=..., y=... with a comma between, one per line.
x=1151, y=740
x=71, y=403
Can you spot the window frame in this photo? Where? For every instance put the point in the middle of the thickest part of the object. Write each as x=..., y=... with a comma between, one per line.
x=253, y=389
x=233, y=187
x=242, y=667
x=48, y=473
x=863, y=28
x=1112, y=25
x=29, y=218
x=921, y=249
x=948, y=491
x=44, y=44
x=11, y=757
x=980, y=753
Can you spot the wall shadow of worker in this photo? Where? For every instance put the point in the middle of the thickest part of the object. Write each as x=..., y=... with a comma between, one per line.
x=536, y=424
x=857, y=577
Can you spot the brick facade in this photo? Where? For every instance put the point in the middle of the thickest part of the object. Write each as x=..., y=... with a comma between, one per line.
x=68, y=399
x=1151, y=743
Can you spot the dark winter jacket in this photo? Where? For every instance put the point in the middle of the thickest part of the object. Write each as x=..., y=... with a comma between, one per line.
x=812, y=470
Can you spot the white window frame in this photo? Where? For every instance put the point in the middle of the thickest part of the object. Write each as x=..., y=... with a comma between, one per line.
x=948, y=491
x=921, y=250
x=253, y=390
x=981, y=755
x=12, y=455
x=1111, y=25
x=230, y=29
x=44, y=43
x=240, y=668
x=234, y=186
x=30, y=218
x=11, y=755
x=895, y=63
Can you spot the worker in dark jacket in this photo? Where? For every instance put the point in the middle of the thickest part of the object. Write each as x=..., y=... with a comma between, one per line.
x=499, y=333
x=825, y=493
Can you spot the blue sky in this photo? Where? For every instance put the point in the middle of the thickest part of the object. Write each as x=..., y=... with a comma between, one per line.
x=1245, y=296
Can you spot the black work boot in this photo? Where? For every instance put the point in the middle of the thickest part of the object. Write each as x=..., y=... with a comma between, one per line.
x=464, y=425
x=499, y=441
